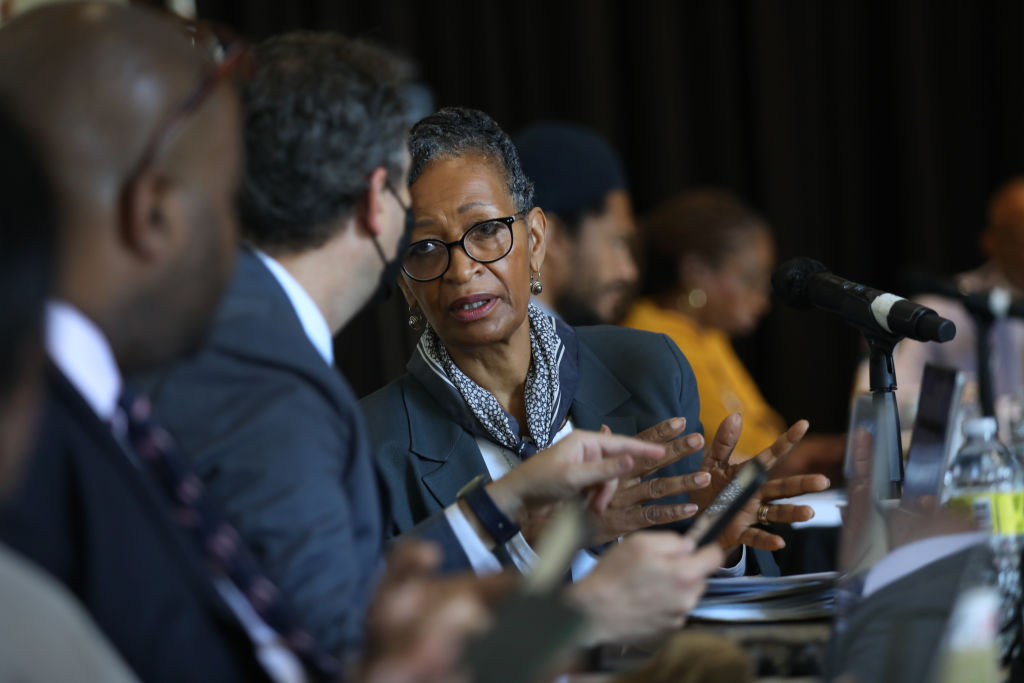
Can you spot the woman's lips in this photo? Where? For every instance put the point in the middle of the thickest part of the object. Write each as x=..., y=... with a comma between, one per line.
x=469, y=308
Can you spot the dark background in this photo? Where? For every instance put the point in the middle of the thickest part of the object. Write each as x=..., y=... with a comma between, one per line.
x=869, y=133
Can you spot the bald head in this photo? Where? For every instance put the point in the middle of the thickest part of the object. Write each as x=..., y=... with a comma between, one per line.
x=1003, y=238
x=145, y=249
x=94, y=81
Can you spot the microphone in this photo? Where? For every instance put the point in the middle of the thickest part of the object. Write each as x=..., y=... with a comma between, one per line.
x=802, y=282
x=996, y=302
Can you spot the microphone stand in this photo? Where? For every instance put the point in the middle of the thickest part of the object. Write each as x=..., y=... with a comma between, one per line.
x=888, y=444
x=983, y=322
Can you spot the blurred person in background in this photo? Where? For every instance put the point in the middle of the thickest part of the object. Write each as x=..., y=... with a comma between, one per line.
x=709, y=259
x=589, y=268
x=44, y=633
x=1002, y=241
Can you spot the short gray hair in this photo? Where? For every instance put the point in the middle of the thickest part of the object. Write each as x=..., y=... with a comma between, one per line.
x=456, y=131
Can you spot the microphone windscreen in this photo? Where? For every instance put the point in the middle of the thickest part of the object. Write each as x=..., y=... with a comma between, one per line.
x=789, y=281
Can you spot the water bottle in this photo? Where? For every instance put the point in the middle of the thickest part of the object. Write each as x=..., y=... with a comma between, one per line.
x=1015, y=415
x=986, y=483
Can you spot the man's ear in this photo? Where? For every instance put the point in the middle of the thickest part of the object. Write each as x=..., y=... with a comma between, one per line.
x=372, y=213
x=146, y=223
x=536, y=226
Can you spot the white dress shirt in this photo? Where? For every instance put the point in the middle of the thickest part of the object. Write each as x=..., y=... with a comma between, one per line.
x=81, y=352
x=313, y=322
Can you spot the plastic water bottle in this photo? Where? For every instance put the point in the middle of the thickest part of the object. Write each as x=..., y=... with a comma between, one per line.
x=986, y=483
x=1015, y=414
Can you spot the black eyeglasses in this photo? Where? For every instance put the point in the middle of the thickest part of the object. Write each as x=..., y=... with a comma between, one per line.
x=227, y=54
x=484, y=242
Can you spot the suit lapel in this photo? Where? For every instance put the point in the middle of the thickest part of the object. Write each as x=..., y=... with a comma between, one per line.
x=447, y=456
x=150, y=501
x=598, y=394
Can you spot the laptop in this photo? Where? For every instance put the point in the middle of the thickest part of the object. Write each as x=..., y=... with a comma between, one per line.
x=935, y=433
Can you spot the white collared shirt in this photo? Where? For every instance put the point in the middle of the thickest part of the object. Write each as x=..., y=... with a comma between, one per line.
x=314, y=324
x=83, y=354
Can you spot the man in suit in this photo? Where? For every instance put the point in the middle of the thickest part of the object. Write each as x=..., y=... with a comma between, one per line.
x=274, y=430
x=140, y=133
x=44, y=634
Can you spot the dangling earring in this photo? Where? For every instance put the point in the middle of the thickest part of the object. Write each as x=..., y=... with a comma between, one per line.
x=417, y=320
x=697, y=298
x=536, y=286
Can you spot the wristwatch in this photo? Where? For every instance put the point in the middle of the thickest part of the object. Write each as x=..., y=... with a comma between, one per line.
x=497, y=524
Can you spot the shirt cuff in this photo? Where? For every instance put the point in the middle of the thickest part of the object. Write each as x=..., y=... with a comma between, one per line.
x=481, y=559
x=738, y=569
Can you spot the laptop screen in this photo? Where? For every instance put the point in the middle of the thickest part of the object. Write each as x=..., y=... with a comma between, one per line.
x=933, y=433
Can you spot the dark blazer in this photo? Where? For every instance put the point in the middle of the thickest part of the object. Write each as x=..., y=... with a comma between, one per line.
x=86, y=515
x=628, y=380
x=279, y=440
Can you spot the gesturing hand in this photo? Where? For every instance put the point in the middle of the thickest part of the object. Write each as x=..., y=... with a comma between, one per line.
x=742, y=530
x=584, y=463
x=626, y=511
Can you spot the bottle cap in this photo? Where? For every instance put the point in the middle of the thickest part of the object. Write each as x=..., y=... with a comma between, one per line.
x=985, y=427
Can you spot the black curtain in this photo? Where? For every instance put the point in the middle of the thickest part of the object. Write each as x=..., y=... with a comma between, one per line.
x=869, y=133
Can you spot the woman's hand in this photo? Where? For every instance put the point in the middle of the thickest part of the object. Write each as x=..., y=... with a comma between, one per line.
x=742, y=529
x=583, y=463
x=626, y=511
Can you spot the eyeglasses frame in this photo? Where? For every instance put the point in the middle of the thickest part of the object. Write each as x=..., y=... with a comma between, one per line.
x=235, y=56
x=461, y=242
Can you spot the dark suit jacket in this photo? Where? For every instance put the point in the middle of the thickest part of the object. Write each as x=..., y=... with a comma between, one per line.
x=86, y=515
x=628, y=380
x=279, y=440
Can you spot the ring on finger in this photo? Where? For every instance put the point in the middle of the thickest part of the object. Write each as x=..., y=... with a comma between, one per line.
x=762, y=513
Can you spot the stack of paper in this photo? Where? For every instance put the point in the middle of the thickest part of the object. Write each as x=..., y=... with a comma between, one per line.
x=761, y=598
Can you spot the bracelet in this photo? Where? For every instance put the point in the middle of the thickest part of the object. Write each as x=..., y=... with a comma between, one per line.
x=496, y=522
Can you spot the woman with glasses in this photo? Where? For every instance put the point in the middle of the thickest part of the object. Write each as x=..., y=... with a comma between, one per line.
x=493, y=379
x=708, y=265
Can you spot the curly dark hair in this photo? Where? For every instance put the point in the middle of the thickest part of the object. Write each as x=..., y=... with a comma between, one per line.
x=321, y=113
x=456, y=131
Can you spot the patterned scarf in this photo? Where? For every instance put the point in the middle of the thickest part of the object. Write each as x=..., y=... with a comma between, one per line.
x=550, y=386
